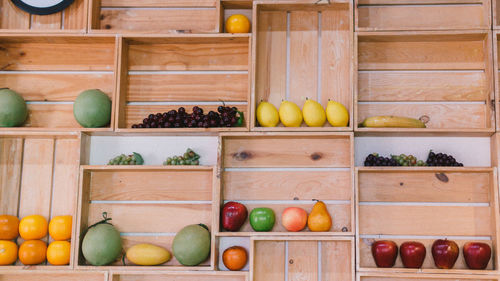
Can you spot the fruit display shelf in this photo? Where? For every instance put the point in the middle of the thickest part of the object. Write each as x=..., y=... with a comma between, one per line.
x=280, y=170
x=302, y=51
x=455, y=67
x=424, y=204
x=147, y=212
x=178, y=276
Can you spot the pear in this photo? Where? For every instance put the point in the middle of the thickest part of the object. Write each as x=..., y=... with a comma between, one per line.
x=314, y=114
x=290, y=114
x=337, y=114
x=319, y=219
x=267, y=114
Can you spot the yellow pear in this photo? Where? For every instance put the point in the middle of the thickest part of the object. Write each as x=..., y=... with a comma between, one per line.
x=314, y=114
x=337, y=114
x=267, y=114
x=290, y=114
x=319, y=219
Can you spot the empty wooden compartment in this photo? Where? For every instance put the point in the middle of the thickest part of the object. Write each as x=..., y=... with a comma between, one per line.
x=178, y=276
x=158, y=74
x=302, y=51
x=444, y=78
x=151, y=211
x=153, y=16
x=283, y=170
x=422, y=277
x=302, y=258
x=39, y=176
x=397, y=15
x=425, y=204
x=49, y=72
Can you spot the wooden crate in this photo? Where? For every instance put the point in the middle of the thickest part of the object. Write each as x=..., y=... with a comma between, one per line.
x=39, y=176
x=158, y=74
x=153, y=16
x=302, y=51
x=66, y=275
x=423, y=277
x=231, y=7
x=302, y=258
x=445, y=77
x=282, y=170
x=147, y=212
x=424, y=204
x=72, y=19
x=178, y=276
x=49, y=72
x=397, y=15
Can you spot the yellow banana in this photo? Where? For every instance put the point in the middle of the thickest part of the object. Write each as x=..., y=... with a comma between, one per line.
x=392, y=122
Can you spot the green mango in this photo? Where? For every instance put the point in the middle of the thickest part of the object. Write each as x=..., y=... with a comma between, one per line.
x=191, y=245
x=102, y=244
x=92, y=109
x=13, y=109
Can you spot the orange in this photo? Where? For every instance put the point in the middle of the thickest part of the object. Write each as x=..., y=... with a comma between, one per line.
x=237, y=24
x=8, y=252
x=58, y=252
x=32, y=252
x=33, y=227
x=60, y=227
x=9, y=227
x=235, y=258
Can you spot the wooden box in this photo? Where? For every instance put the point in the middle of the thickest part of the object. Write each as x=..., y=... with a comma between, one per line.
x=397, y=15
x=49, y=72
x=39, y=176
x=424, y=204
x=153, y=16
x=151, y=211
x=282, y=170
x=158, y=74
x=72, y=19
x=302, y=51
x=66, y=275
x=302, y=258
x=423, y=277
x=444, y=78
x=231, y=7
x=178, y=276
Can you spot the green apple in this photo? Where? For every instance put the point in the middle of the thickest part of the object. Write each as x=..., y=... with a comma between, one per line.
x=262, y=219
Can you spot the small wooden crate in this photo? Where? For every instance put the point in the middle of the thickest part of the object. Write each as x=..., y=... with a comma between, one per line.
x=39, y=176
x=423, y=277
x=153, y=16
x=397, y=15
x=231, y=7
x=445, y=77
x=178, y=276
x=46, y=275
x=158, y=74
x=302, y=51
x=49, y=72
x=424, y=204
x=281, y=170
x=72, y=19
x=151, y=211
x=302, y=258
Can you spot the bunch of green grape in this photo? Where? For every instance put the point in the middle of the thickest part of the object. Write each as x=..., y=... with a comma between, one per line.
x=189, y=158
x=133, y=159
x=407, y=160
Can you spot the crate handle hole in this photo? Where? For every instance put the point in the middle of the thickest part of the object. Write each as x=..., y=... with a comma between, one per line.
x=425, y=119
x=442, y=177
x=290, y=261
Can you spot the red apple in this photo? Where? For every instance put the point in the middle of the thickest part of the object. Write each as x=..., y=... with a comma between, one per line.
x=385, y=253
x=445, y=253
x=234, y=215
x=412, y=254
x=477, y=255
x=294, y=219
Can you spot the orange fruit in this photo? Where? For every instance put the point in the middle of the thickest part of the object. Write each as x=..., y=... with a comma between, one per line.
x=237, y=24
x=60, y=227
x=9, y=227
x=58, y=252
x=235, y=258
x=8, y=252
x=32, y=252
x=33, y=227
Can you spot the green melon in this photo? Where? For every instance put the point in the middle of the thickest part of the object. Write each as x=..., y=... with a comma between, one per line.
x=102, y=244
x=191, y=245
x=13, y=109
x=92, y=109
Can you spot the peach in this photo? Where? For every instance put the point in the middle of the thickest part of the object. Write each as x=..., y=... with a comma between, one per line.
x=294, y=219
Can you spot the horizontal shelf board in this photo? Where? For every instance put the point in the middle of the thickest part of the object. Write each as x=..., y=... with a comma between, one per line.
x=450, y=237
x=55, y=72
x=145, y=167
x=429, y=204
x=132, y=268
x=193, y=103
x=421, y=102
x=424, y=169
x=182, y=130
x=184, y=72
x=131, y=202
x=157, y=8
x=290, y=202
x=270, y=169
x=435, y=5
x=302, y=234
x=434, y=271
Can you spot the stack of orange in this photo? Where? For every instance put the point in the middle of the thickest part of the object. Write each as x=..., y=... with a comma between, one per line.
x=9, y=230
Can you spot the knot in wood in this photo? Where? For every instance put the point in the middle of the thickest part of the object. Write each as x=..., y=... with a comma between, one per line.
x=242, y=156
x=316, y=156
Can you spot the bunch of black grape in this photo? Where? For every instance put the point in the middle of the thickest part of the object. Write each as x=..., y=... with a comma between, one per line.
x=375, y=160
x=225, y=117
x=189, y=158
x=132, y=159
x=441, y=159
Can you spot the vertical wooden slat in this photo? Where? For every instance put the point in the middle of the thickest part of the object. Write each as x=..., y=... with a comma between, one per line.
x=303, y=260
x=52, y=21
x=11, y=153
x=271, y=57
x=74, y=17
x=335, y=263
x=269, y=261
x=335, y=61
x=303, y=80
